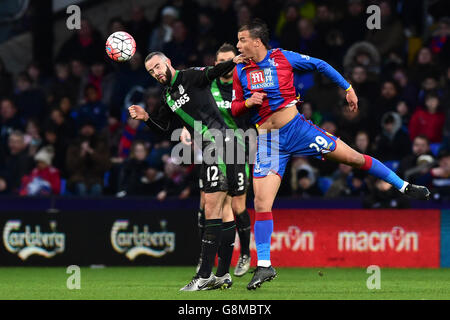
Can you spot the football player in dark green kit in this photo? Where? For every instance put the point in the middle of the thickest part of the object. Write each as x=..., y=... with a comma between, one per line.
x=222, y=91
x=187, y=96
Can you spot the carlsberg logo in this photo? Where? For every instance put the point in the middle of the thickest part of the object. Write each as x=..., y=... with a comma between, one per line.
x=134, y=243
x=32, y=240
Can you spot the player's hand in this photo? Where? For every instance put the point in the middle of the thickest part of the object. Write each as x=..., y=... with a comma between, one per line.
x=138, y=113
x=185, y=137
x=240, y=59
x=256, y=99
x=352, y=100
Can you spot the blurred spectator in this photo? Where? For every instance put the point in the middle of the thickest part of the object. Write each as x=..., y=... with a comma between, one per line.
x=353, y=25
x=308, y=42
x=346, y=182
x=393, y=143
x=440, y=37
x=93, y=110
x=364, y=87
x=244, y=15
x=163, y=33
x=116, y=24
x=9, y=121
x=32, y=136
x=103, y=82
x=187, y=11
x=79, y=73
x=225, y=22
x=17, y=163
x=30, y=102
x=62, y=85
x=323, y=95
x=132, y=76
x=177, y=181
x=59, y=145
x=438, y=178
x=304, y=179
x=363, y=54
x=139, y=27
x=403, y=111
x=35, y=74
x=133, y=179
x=362, y=143
x=386, y=102
x=423, y=66
x=6, y=83
x=413, y=164
x=329, y=126
x=429, y=121
x=429, y=85
x=390, y=37
x=87, y=161
x=330, y=36
x=44, y=179
x=289, y=33
x=64, y=125
x=206, y=39
x=128, y=136
x=87, y=45
x=408, y=91
x=181, y=49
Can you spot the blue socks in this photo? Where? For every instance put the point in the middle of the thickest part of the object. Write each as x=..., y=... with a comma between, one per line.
x=379, y=170
x=263, y=229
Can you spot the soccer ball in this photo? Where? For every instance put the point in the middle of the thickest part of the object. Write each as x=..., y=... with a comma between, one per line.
x=120, y=46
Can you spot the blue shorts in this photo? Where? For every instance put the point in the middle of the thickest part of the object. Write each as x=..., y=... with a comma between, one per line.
x=299, y=137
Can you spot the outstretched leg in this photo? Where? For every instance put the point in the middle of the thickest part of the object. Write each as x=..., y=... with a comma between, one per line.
x=345, y=154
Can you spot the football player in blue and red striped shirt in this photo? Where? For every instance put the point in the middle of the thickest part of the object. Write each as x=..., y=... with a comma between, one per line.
x=264, y=86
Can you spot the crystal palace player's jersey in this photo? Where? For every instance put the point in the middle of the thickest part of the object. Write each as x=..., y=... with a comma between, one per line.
x=189, y=97
x=274, y=76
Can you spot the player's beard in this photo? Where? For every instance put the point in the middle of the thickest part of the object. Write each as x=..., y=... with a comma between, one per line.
x=168, y=76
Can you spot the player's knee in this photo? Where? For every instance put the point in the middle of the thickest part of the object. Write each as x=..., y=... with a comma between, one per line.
x=262, y=204
x=355, y=160
x=238, y=206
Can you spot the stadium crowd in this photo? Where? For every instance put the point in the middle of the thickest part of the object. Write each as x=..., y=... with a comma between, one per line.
x=69, y=133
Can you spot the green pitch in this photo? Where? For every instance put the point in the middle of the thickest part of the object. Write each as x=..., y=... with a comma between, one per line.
x=164, y=283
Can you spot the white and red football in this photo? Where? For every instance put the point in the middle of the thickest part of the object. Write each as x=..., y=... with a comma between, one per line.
x=120, y=46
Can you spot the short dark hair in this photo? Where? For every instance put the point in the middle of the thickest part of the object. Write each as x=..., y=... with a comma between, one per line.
x=258, y=30
x=155, y=53
x=226, y=47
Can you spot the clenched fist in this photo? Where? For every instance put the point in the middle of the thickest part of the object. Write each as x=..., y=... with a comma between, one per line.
x=138, y=113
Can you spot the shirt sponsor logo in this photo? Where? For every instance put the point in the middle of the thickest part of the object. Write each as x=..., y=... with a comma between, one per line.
x=260, y=79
